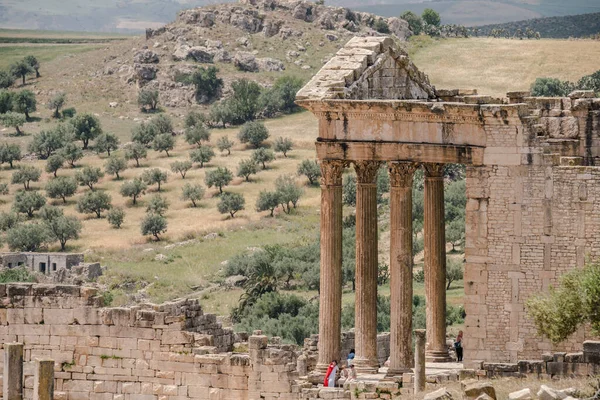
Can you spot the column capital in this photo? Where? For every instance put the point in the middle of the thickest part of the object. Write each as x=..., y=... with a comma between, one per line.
x=433, y=170
x=366, y=171
x=402, y=173
x=331, y=172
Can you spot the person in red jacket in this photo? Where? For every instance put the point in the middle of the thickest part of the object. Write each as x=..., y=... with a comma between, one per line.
x=330, y=376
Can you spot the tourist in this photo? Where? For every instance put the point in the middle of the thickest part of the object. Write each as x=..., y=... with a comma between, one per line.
x=331, y=373
x=350, y=359
x=458, y=346
x=346, y=375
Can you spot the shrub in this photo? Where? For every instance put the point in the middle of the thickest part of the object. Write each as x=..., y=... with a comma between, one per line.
x=154, y=224
x=590, y=82
x=310, y=169
x=28, y=202
x=194, y=118
x=107, y=142
x=6, y=97
x=86, y=127
x=94, y=203
x=551, y=87
x=283, y=145
x=193, y=193
x=247, y=168
x=415, y=23
x=381, y=26
x=27, y=237
x=69, y=112
x=26, y=174
x=263, y=156
x=135, y=151
x=115, y=217
x=225, y=144
x=207, y=83
x=114, y=165
x=61, y=188
x=231, y=203
x=133, y=189
x=154, y=176
x=219, y=178
x=202, y=155
x=89, y=176
x=20, y=274
x=148, y=99
x=254, y=133
x=181, y=167
x=431, y=17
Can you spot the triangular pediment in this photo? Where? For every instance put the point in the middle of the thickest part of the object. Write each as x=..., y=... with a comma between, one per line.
x=369, y=68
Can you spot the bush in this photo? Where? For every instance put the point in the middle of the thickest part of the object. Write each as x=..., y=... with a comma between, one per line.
x=6, y=97
x=431, y=17
x=27, y=237
x=219, y=178
x=247, y=168
x=154, y=176
x=115, y=217
x=590, y=82
x=254, y=133
x=207, y=84
x=154, y=224
x=181, y=167
x=381, y=26
x=133, y=189
x=61, y=188
x=225, y=144
x=193, y=193
x=263, y=156
x=86, y=127
x=202, y=155
x=551, y=87
x=69, y=112
x=310, y=169
x=28, y=202
x=194, y=118
x=20, y=274
x=231, y=203
x=415, y=23
x=114, y=165
x=94, y=203
x=26, y=174
x=148, y=100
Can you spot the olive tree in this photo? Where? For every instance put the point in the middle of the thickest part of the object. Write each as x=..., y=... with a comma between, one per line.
x=106, y=142
x=225, y=144
x=310, y=169
x=197, y=134
x=193, y=193
x=54, y=163
x=134, y=189
x=263, y=156
x=267, y=201
x=148, y=99
x=13, y=120
x=231, y=203
x=33, y=63
x=89, y=176
x=21, y=69
x=61, y=188
x=115, y=217
x=114, y=165
x=135, y=151
x=26, y=174
x=157, y=205
x=181, y=167
x=72, y=153
x=246, y=168
x=27, y=237
x=254, y=133
x=163, y=142
x=154, y=176
x=86, y=127
x=154, y=224
x=283, y=145
x=56, y=103
x=219, y=178
x=9, y=153
x=28, y=202
x=94, y=203
x=202, y=155
x=24, y=102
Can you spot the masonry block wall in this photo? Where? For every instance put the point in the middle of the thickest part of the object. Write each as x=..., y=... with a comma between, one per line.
x=533, y=213
x=171, y=351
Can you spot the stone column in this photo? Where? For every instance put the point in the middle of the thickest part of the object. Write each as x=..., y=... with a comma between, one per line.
x=419, y=360
x=365, y=341
x=43, y=381
x=401, y=265
x=435, y=263
x=13, y=371
x=330, y=309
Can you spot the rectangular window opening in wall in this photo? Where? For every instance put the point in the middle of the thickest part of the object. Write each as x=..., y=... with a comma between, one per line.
x=9, y=265
x=43, y=268
x=19, y=263
x=53, y=266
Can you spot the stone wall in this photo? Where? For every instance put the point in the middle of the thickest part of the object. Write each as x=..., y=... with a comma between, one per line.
x=171, y=351
x=46, y=263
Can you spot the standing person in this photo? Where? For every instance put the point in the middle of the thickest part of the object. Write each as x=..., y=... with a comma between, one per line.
x=351, y=356
x=331, y=373
x=458, y=346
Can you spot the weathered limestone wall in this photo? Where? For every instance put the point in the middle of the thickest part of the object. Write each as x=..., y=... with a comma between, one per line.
x=171, y=351
x=46, y=263
x=533, y=213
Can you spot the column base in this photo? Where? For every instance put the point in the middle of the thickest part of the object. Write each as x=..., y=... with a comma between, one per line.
x=316, y=377
x=393, y=374
x=365, y=366
x=437, y=356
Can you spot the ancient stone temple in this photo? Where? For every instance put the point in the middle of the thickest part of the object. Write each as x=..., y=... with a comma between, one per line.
x=533, y=203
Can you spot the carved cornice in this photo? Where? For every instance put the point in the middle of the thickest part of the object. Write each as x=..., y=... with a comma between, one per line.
x=433, y=170
x=366, y=171
x=331, y=172
x=402, y=173
x=398, y=116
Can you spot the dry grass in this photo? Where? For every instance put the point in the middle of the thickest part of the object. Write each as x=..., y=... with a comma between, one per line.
x=497, y=66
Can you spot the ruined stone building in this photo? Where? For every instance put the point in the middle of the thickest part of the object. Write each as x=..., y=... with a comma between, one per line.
x=533, y=200
x=45, y=263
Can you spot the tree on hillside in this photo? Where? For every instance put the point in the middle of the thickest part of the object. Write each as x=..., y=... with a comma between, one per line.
x=24, y=102
x=221, y=113
x=13, y=120
x=21, y=69
x=134, y=189
x=135, y=151
x=6, y=79
x=26, y=174
x=246, y=168
x=148, y=99
x=431, y=17
x=225, y=144
x=454, y=271
x=56, y=103
x=193, y=193
x=47, y=142
x=164, y=142
x=202, y=155
x=381, y=26
x=94, y=202
x=310, y=169
x=115, y=217
x=561, y=311
x=267, y=201
x=89, y=176
x=219, y=178
x=254, y=133
x=286, y=88
x=197, y=134
x=154, y=176
x=9, y=220
x=244, y=103
x=207, y=84
x=154, y=224
x=54, y=163
x=283, y=145
x=27, y=237
x=34, y=64
x=231, y=203
x=415, y=23
x=28, y=202
x=288, y=191
x=157, y=205
x=86, y=127
x=162, y=123
x=63, y=228
x=181, y=167
x=61, y=188
x=114, y=165
x=106, y=142
x=72, y=153
x=6, y=97
x=194, y=118
x=144, y=133
x=263, y=156
x=9, y=153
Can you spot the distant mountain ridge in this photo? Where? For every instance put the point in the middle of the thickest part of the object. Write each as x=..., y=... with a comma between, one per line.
x=576, y=26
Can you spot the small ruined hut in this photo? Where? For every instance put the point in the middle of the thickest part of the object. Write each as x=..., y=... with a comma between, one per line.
x=533, y=201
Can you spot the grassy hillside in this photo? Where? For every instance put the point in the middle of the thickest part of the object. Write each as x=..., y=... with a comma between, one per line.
x=577, y=26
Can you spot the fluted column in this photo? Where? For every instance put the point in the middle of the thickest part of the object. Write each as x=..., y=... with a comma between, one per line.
x=330, y=306
x=401, y=265
x=435, y=263
x=366, y=267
